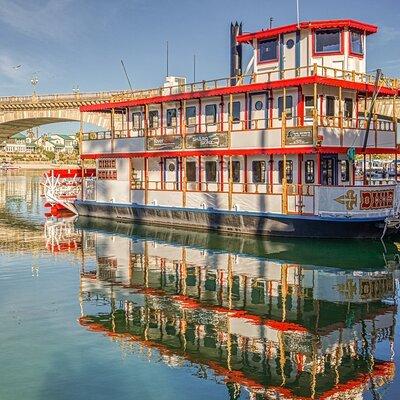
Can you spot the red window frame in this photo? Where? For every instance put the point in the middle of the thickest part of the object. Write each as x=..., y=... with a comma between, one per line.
x=351, y=52
x=327, y=53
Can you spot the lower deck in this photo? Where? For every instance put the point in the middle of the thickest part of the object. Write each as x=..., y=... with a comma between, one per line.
x=309, y=185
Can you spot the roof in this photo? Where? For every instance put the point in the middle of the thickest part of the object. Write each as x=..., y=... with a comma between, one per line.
x=18, y=136
x=323, y=24
x=63, y=136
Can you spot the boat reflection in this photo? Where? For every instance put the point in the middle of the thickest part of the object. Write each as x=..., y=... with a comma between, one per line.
x=260, y=319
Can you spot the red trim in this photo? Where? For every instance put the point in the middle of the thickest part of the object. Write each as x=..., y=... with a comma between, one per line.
x=221, y=172
x=245, y=178
x=72, y=173
x=327, y=53
x=246, y=110
x=254, y=87
x=162, y=117
x=199, y=162
x=321, y=105
x=199, y=116
x=181, y=118
x=271, y=108
x=300, y=106
x=299, y=169
x=221, y=116
x=240, y=152
x=323, y=24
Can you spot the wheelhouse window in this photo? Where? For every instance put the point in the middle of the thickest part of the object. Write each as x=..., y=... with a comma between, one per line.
x=235, y=171
x=258, y=169
x=190, y=115
x=268, y=50
x=171, y=117
x=330, y=106
x=328, y=41
x=289, y=171
x=309, y=106
x=235, y=111
x=309, y=171
x=137, y=120
x=288, y=109
x=211, y=171
x=356, y=43
x=211, y=113
x=191, y=171
x=153, y=119
x=348, y=108
x=344, y=170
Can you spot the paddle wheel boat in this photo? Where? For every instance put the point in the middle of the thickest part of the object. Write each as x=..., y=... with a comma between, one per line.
x=270, y=150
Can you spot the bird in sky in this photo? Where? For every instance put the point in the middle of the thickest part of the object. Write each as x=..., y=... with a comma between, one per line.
x=17, y=66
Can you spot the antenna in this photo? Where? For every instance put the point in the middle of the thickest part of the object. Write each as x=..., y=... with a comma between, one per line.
x=167, y=58
x=270, y=22
x=298, y=13
x=126, y=74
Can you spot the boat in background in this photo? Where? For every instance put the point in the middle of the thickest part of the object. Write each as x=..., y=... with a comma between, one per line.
x=63, y=186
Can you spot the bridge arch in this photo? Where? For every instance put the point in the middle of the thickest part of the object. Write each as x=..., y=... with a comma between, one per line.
x=12, y=122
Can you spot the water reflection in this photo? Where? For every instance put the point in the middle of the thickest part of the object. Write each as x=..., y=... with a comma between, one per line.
x=258, y=316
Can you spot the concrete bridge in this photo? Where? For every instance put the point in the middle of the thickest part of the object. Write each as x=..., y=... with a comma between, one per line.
x=21, y=113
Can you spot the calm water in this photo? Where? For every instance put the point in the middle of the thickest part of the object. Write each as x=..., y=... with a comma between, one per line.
x=101, y=310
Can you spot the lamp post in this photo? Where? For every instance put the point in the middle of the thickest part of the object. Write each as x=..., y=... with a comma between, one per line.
x=34, y=82
x=75, y=89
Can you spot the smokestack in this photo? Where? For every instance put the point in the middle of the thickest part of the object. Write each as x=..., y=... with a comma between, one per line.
x=236, y=51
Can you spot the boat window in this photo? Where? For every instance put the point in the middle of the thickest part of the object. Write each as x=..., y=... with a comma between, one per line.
x=330, y=106
x=258, y=169
x=137, y=120
x=348, y=108
x=211, y=171
x=268, y=50
x=344, y=170
x=289, y=171
x=258, y=105
x=356, y=42
x=235, y=171
x=327, y=41
x=211, y=113
x=236, y=111
x=171, y=117
x=190, y=115
x=191, y=171
x=309, y=171
x=289, y=107
x=153, y=119
x=309, y=106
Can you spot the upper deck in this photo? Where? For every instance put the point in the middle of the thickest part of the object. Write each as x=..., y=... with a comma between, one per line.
x=307, y=80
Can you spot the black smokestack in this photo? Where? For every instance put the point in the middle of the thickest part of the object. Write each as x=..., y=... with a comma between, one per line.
x=236, y=50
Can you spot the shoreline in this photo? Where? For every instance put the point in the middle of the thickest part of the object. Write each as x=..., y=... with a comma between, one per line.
x=43, y=166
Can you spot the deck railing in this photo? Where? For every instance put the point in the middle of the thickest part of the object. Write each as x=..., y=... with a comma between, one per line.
x=292, y=189
x=270, y=76
x=380, y=125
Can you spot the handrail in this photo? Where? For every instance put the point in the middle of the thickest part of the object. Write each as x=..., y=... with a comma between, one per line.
x=269, y=76
x=381, y=125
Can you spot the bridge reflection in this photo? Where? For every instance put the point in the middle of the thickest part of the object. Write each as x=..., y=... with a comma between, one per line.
x=252, y=314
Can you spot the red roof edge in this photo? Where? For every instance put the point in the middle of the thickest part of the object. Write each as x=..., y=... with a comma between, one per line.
x=323, y=24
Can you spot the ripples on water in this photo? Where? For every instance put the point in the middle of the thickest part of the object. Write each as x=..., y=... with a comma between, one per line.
x=99, y=310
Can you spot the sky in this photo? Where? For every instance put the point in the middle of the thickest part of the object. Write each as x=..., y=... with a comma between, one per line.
x=70, y=43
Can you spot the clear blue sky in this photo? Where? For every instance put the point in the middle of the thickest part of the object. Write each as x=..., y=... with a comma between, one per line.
x=81, y=42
